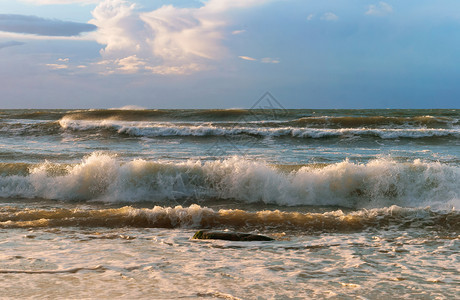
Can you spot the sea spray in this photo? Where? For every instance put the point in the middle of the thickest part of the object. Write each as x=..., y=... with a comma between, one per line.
x=102, y=177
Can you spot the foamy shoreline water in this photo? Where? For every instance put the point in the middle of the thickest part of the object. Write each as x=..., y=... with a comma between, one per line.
x=166, y=264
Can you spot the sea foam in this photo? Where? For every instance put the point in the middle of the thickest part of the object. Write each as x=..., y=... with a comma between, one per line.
x=164, y=129
x=102, y=177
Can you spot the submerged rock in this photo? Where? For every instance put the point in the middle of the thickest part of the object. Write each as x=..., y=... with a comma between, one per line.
x=229, y=236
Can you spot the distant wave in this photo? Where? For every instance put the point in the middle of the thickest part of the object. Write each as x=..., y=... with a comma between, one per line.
x=117, y=114
x=213, y=129
x=101, y=177
x=129, y=107
x=323, y=118
x=131, y=113
x=123, y=114
x=378, y=122
x=286, y=118
x=33, y=114
x=196, y=216
x=342, y=118
x=149, y=129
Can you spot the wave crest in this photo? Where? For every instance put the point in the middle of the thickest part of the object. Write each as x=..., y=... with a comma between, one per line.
x=378, y=122
x=102, y=177
x=148, y=129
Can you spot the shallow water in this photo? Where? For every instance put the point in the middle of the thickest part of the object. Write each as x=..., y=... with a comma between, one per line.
x=103, y=203
x=165, y=264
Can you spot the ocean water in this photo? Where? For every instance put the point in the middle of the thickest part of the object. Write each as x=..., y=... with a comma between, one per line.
x=103, y=203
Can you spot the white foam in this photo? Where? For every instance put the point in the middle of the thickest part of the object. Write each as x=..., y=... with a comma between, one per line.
x=153, y=129
x=379, y=183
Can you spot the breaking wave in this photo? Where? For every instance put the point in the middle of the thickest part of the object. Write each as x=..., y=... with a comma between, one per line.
x=102, y=177
x=323, y=118
x=292, y=117
x=148, y=129
x=298, y=124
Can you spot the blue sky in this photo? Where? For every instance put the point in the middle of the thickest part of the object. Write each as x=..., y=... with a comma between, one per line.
x=227, y=53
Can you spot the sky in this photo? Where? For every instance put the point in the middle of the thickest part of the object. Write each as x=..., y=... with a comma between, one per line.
x=228, y=53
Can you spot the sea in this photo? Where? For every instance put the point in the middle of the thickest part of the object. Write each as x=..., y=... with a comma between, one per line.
x=103, y=203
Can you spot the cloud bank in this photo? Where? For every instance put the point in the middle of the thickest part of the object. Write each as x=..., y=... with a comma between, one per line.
x=168, y=40
x=40, y=26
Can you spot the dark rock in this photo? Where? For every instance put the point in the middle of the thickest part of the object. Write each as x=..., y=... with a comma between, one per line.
x=229, y=236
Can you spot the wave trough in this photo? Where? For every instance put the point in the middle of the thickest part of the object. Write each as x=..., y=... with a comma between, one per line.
x=196, y=216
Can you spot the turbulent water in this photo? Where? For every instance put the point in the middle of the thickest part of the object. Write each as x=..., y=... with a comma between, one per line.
x=103, y=203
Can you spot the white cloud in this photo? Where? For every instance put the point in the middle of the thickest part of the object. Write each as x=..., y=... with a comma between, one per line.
x=235, y=32
x=310, y=17
x=329, y=16
x=380, y=9
x=57, y=66
x=116, y=22
x=63, y=59
x=216, y=6
x=184, y=34
x=265, y=60
x=130, y=64
x=247, y=58
x=184, y=69
x=168, y=40
x=268, y=60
